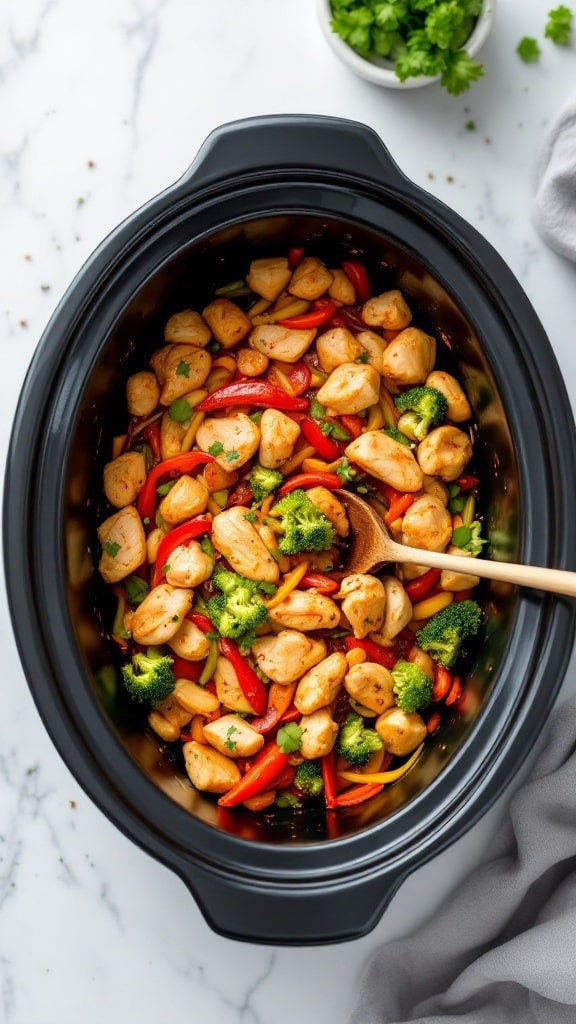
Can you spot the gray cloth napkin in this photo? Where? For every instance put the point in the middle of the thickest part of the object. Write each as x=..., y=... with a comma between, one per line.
x=554, y=207
x=503, y=948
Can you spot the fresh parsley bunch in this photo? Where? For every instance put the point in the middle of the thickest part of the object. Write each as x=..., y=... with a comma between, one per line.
x=421, y=37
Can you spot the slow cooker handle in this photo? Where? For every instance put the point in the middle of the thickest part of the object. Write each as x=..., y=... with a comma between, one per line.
x=292, y=141
x=252, y=910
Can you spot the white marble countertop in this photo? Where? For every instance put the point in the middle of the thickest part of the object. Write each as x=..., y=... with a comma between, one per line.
x=102, y=106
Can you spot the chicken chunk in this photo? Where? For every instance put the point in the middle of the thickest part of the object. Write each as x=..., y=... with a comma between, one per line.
x=397, y=613
x=319, y=732
x=284, y=343
x=187, y=498
x=278, y=435
x=364, y=600
x=235, y=538
x=123, y=544
x=386, y=459
x=189, y=565
x=375, y=346
x=310, y=279
x=455, y=581
x=142, y=393
x=388, y=310
x=237, y=434
x=350, y=388
x=331, y=507
x=320, y=685
x=233, y=737
x=123, y=478
x=337, y=346
x=195, y=699
x=342, y=289
x=190, y=642
x=286, y=655
x=187, y=328
x=458, y=405
x=408, y=359
x=251, y=363
x=228, y=323
x=160, y=615
x=208, y=769
x=179, y=369
x=400, y=731
x=371, y=685
x=445, y=452
x=427, y=524
x=171, y=436
x=269, y=277
x=303, y=610
x=228, y=689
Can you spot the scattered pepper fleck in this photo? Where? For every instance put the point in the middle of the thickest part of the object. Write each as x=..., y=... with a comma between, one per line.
x=72, y=804
x=45, y=287
x=470, y=126
x=449, y=178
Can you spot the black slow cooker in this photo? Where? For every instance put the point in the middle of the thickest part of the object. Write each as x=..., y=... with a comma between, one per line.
x=256, y=188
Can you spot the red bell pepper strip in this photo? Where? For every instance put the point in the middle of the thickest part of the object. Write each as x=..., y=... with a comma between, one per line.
x=284, y=778
x=292, y=715
x=455, y=691
x=305, y=480
x=433, y=722
x=151, y=434
x=329, y=779
x=420, y=587
x=202, y=621
x=258, y=778
x=259, y=393
x=314, y=318
x=179, y=535
x=463, y=595
x=318, y=582
x=385, y=656
x=295, y=256
x=279, y=700
x=398, y=507
x=353, y=424
x=358, y=794
x=442, y=682
x=467, y=482
x=185, y=463
x=357, y=274
x=240, y=495
x=299, y=377
x=325, y=446
x=251, y=685
x=184, y=669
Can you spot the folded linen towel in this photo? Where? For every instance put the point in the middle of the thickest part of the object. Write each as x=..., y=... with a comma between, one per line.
x=503, y=948
x=554, y=208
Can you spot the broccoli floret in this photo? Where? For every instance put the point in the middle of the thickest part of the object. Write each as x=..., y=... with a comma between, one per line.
x=442, y=636
x=421, y=409
x=412, y=686
x=308, y=778
x=149, y=677
x=239, y=608
x=263, y=481
x=468, y=538
x=305, y=527
x=355, y=743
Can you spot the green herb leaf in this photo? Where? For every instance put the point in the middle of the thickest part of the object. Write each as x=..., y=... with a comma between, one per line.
x=528, y=50
x=345, y=471
x=183, y=369
x=135, y=589
x=166, y=568
x=216, y=448
x=180, y=410
x=470, y=126
x=460, y=72
x=112, y=548
x=559, y=25
x=317, y=410
x=461, y=536
x=229, y=743
x=362, y=358
x=232, y=456
x=288, y=738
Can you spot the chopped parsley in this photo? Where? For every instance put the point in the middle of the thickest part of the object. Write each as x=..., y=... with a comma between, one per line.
x=345, y=471
x=231, y=744
x=559, y=25
x=166, y=568
x=216, y=448
x=180, y=410
x=232, y=456
x=362, y=358
x=288, y=738
x=111, y=547
x=135, y=589
x=528, y=50
x=470, y=126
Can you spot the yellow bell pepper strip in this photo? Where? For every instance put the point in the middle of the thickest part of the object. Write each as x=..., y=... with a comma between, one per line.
x=289, y=583
x=183, y=463
x=179, y=535
x=265, y=769
x=251, y=685
x=258, y=393
x=383, y=777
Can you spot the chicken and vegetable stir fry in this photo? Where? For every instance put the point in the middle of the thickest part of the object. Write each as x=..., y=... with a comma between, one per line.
x=283, y=678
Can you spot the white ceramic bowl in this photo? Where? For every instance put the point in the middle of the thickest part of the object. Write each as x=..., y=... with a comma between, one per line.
x=380, y=71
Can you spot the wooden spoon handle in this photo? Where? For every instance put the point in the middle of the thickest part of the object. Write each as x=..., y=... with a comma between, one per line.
x=559, y=581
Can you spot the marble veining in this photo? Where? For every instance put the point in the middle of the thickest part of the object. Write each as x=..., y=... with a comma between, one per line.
x=101, y=107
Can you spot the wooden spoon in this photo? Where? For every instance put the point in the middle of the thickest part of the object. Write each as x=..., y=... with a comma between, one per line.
x=372, y=547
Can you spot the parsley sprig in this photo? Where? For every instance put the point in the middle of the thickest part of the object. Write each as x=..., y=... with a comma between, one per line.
x=421, y=37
